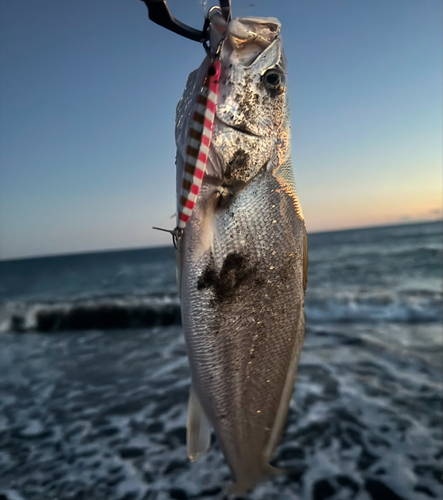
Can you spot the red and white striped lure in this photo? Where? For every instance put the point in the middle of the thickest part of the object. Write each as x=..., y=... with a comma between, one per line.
x=197, y=149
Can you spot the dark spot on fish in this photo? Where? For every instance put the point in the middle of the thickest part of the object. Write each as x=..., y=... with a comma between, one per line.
x=236, y=272
x=208, y=278
x=211, y=70
x=238, y=167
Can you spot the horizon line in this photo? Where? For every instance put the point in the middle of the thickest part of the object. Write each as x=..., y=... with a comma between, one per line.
x=128, y=249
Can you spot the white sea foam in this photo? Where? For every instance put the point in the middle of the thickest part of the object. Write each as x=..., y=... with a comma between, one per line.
x=138, y=311
x=101, y=414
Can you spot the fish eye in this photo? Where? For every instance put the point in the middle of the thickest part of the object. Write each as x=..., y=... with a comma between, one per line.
x=274, y=81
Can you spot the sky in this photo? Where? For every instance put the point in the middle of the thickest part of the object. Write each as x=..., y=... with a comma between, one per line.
x=88, y=91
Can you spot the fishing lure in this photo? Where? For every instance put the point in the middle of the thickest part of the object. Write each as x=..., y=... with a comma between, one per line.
x=199, y=140
x=197, y=149
x=200, y=130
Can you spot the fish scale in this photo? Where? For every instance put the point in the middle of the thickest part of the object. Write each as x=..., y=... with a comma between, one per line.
x=242, y=257
x=226, y=395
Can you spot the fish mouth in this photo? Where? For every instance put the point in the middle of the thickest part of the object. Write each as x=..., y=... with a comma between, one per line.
x=241, y=128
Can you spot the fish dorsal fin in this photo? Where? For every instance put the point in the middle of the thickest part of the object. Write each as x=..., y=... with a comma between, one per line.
x=198, y=428
x=199, y=140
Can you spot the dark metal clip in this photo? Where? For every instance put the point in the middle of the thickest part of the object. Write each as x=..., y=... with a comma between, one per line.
x=225, y=6
x=159, y=13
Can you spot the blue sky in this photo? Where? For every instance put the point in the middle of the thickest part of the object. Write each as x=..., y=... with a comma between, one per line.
x=88, y=91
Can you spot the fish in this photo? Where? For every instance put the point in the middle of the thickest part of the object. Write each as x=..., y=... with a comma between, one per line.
x=241, y=240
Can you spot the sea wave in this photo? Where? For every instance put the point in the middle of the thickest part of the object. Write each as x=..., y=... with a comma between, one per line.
x=353, y=312
x=107, y=313
x=413, y=306
x=94, y=314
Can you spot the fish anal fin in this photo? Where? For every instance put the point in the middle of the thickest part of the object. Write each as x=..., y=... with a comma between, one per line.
x=198, y=428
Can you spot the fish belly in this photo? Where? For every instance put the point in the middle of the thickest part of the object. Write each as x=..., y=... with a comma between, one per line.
x=242, y=308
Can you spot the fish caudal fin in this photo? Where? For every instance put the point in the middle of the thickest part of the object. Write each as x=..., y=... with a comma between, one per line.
x=198, y=428
x=246, y=482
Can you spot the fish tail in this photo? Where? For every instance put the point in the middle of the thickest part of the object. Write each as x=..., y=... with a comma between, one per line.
x=245, y=482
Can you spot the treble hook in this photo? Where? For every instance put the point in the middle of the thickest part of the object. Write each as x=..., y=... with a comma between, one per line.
x=159, y=13
x=176, y=234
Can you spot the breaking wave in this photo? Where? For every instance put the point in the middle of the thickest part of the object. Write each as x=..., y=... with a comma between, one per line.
x=107, y=313
x=419, y=307
x=101, y=314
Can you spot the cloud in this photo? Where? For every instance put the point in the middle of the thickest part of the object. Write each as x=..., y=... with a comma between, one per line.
x=436, y=212
x=432, y=214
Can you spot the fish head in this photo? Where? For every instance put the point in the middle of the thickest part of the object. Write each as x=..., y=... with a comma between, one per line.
x=252, y=116
x=253, y=75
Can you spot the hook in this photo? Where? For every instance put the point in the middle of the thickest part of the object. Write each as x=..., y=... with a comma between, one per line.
x=176, y=234
x=159, y=13
x=225, y=6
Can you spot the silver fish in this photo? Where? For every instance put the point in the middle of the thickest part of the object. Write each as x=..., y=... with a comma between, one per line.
x=242, y=259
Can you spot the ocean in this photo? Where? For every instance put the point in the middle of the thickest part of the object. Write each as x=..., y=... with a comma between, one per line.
x=94, y=377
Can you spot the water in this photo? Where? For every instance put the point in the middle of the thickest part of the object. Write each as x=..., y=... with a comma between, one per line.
x=94, y=377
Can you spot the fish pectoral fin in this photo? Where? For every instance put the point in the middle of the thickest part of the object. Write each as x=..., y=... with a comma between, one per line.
x=198, y=428
x=179, y=264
